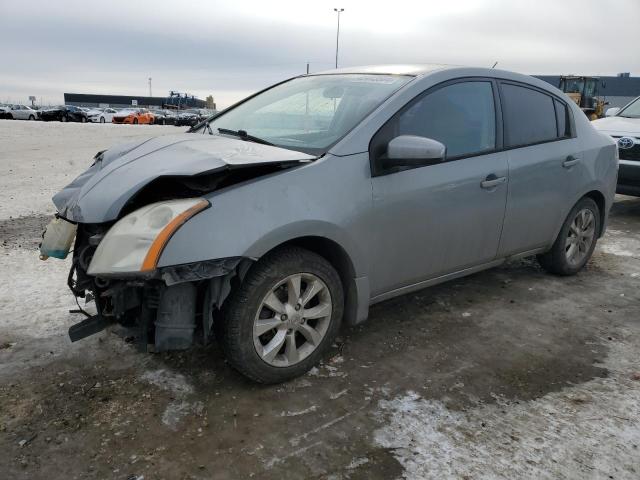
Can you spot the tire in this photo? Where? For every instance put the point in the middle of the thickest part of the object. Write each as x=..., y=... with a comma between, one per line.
x=135, y=121
x=64, y=118
x=558, y=260
x=10, y=117
x=83, y=119
x=31, y=117
x=102, y=120
x=247, y=305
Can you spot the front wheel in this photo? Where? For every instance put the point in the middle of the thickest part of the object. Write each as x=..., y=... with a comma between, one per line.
x=31, y=117
x=283, y=317
x=64, y=118
x=575, y=242
x=135, y=121
x=102, y=120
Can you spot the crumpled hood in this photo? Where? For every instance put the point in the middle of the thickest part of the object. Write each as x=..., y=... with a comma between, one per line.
x=618, y=126
x=98, y=194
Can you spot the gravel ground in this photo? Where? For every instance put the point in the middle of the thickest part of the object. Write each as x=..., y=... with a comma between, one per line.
x=509, y=373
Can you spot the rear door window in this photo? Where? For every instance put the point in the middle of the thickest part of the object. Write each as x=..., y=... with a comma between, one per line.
x=529, y=115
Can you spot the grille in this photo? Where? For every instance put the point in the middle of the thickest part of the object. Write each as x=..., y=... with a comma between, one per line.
x=632, y=153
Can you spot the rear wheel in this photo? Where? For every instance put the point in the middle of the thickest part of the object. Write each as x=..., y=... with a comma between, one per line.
x=83, y=119
x=283, y=317
x=64, y=118
x=135, y=121
x=31, y=117
x=576, y=240
x=102, y=120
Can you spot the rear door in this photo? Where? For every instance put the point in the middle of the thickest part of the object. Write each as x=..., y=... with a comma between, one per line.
x=546, y=170
x=445, y=217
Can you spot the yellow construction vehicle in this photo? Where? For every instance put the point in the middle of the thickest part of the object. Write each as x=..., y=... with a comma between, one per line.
x=584, y=91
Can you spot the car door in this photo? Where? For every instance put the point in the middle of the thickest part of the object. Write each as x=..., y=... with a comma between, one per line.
x=19, y=112
x=546, y=168
x=444, y=217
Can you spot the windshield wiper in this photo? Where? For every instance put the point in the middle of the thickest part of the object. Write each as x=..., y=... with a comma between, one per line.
x=242, y=134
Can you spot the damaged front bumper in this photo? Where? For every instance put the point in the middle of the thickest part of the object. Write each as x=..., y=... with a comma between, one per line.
x=169, y=308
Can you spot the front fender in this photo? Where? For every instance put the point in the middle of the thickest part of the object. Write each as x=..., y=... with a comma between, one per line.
x=329, y=198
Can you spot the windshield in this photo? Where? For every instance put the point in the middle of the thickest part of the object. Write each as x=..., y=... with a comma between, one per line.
x=310, y=114
x=572, y=85
x=632, y=110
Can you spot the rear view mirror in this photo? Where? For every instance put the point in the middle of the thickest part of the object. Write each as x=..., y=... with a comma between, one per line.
x=411, y=150
x=611, y=112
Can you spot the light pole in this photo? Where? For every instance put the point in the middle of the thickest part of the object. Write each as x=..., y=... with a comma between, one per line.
x=150, y=87
x=339, y=11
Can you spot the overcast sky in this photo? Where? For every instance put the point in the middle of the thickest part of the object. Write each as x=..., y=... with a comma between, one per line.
x=231, y=49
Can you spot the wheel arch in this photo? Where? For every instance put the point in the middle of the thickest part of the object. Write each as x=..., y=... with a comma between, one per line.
x=355, y=290
x=598, y=197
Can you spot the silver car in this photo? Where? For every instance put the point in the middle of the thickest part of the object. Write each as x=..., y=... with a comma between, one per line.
x=22, y=112
x=292, y=212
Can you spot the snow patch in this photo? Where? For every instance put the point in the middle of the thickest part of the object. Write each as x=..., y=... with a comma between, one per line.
x=181, y=389
x=168, y=381
x=524, y=439
x=34, y=298
x=312, y=408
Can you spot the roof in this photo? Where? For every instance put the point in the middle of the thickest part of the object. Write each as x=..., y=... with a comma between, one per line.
x=613, y=86
x=415, y=69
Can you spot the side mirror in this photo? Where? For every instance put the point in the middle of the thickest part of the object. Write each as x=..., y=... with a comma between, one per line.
x=611, y=112
x=414, y=151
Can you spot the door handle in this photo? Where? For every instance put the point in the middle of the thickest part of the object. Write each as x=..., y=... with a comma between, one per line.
x=570, y=161
x=492, y=181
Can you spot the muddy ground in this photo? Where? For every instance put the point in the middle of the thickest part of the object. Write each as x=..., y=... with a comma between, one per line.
x=509, y=373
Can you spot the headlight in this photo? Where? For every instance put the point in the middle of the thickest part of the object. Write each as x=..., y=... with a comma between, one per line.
x=135, y=242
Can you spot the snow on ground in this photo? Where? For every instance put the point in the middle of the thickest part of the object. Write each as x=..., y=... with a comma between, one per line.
x=34, y=298
x=568, y=434
x=31, y=172
x=621, y=243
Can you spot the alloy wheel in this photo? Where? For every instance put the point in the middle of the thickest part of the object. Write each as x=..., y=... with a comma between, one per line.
x=581, y=235
x=292, y=320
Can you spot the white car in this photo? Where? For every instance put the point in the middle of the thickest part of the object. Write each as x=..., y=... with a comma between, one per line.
x=22, y=112
x=623, y=124
x=101, y=115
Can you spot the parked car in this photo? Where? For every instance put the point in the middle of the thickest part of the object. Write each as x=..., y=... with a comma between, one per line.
x=133, y=116
x=187, y=118
x=101, y=115
x=623, y=124
x=22, y=112
x=5, y=109
x=164, y=117
x=293, y=211
x=63, y=113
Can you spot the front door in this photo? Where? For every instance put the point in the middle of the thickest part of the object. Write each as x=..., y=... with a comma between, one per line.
x=445, y=217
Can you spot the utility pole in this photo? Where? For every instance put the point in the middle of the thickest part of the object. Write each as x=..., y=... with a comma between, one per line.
x=339, y=11
x=307, y=68
x=150, y=87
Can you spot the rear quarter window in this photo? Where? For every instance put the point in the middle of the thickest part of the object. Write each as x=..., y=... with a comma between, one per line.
x=562, y=117
x=529, y=116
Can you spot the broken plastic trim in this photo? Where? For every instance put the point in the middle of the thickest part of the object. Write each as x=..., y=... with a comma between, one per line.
x=193, y=272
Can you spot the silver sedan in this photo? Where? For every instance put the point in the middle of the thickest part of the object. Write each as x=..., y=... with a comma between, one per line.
x=291, y=213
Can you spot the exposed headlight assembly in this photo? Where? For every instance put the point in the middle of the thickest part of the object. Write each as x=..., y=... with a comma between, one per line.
x=135, y=243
